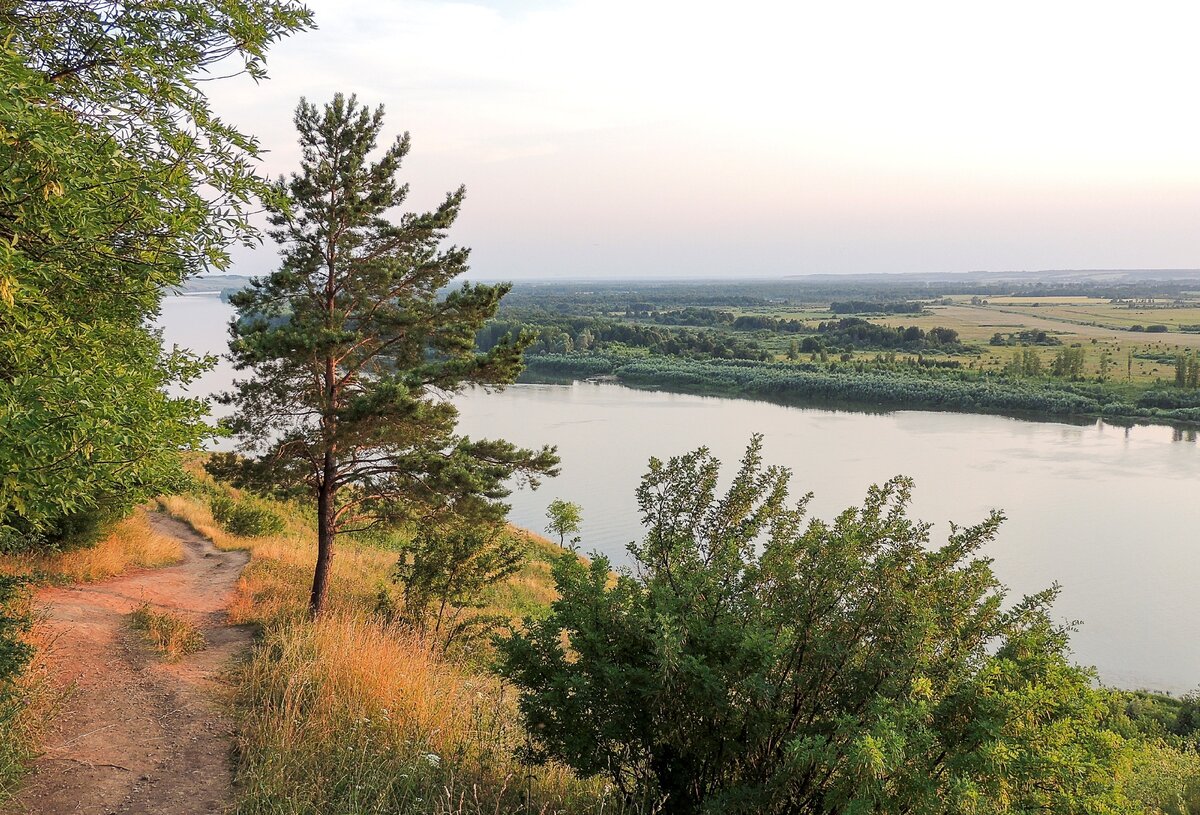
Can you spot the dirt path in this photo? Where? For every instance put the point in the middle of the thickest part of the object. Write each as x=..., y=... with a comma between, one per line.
x=138, y=735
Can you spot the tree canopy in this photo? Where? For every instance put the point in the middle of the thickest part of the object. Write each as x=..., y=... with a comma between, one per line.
x=564, y=518
x=355, y=344
x=116, y=182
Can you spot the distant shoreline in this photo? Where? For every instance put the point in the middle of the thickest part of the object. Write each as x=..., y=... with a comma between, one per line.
x=792, y=386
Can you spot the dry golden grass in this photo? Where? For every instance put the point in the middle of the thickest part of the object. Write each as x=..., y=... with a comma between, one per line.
x=345, y=715
x=35, y=698
x=170, y=634
x=274, y=586
x=132, y=544
x=351, y=715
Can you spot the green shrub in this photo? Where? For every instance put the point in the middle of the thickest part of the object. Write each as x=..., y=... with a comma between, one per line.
x=250, y=520
x=754, y=661
x=221, y=505
x=246, y=517
x=80, y=529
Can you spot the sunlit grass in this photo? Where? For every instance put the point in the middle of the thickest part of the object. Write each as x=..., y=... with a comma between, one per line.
x=346, y=715
x=131, y=544
x=351, y=714
x=170, y=634
x=274, y=586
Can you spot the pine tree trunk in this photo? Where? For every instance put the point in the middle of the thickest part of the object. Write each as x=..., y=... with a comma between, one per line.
x=325, y=533
x=328, y=483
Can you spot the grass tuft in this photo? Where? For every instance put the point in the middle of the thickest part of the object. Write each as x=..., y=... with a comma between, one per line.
x=171, y=635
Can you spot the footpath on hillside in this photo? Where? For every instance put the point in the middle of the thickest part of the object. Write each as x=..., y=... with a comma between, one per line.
x=137, y=734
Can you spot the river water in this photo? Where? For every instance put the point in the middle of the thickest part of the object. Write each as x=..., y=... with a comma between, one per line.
x=1109, y=513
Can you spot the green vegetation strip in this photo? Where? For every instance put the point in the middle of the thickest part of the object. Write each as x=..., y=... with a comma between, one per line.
x=937, y=389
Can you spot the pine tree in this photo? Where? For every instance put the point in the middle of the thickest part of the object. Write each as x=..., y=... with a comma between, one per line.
x=354, y=347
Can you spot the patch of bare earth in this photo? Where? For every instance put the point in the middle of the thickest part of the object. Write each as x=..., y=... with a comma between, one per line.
x=138, y=734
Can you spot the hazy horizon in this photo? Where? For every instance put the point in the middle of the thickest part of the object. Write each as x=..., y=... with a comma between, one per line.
x=708, y=140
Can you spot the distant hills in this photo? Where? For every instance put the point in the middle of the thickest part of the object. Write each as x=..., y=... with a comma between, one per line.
x=213, y=284
x=224, y=283
x=1043, y=276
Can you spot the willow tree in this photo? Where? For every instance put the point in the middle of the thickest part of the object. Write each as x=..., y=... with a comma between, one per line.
x=355, y=344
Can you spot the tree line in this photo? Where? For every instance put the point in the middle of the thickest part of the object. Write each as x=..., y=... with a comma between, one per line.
x=583, y=334
x=567, y=335
x=876, y=307
x=855, y=332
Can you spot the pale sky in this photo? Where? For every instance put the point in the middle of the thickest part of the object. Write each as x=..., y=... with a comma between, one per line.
x=614, y=138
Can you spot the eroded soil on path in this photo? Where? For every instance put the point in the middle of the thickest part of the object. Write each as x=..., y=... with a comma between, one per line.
x=138, y=734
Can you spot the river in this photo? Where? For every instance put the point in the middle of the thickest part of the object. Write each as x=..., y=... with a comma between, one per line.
x=1110, y=513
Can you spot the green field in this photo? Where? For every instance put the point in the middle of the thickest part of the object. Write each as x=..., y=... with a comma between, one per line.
x=1095, y=325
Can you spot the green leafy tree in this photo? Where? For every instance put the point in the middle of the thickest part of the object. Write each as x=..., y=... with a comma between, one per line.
x=1025, y=362
x=753, y=663
x=1068, y=363
x=116, y=182
x=353, y=347
x=565, y=518
x=444, y=573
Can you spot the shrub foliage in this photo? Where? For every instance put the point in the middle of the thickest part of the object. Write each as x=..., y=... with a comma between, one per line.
x=245, y=516
x=755, y=662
